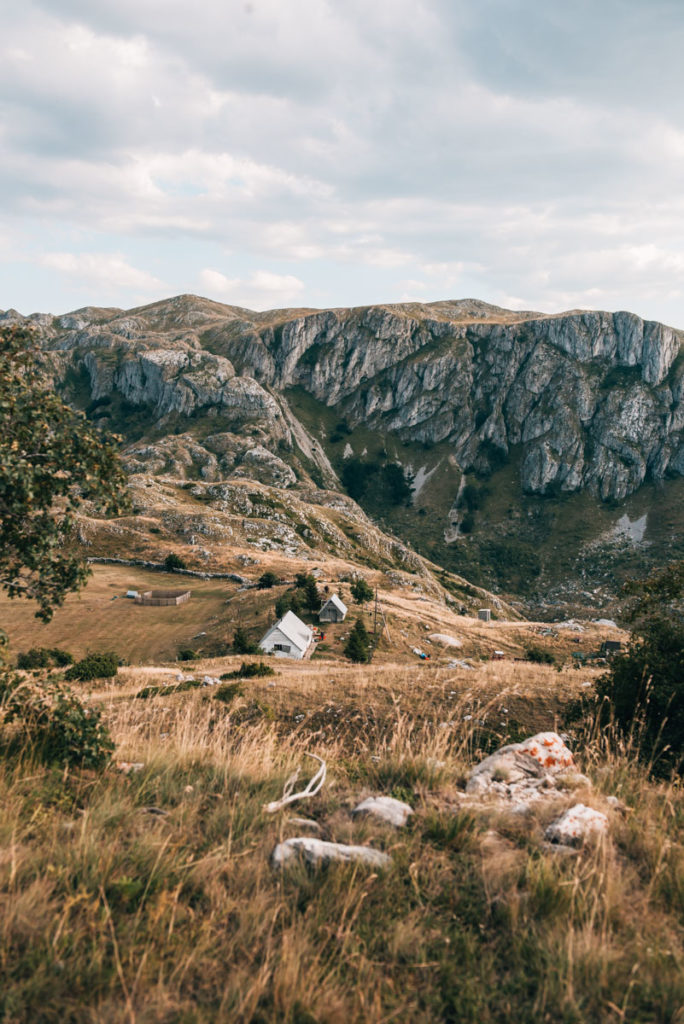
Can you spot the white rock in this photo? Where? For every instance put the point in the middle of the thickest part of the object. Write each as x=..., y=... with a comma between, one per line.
x=520, y=770
x=576, y=825
x=305, y=823
x=445, y=639
x=394, y=812
x=317, y=852
x=128, y=767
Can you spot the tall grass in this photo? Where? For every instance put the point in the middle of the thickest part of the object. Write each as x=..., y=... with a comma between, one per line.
x=111, y=911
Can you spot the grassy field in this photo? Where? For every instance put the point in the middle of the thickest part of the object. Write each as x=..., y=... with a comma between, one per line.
x=93, y=620
x=150, y=897
x=101, y=618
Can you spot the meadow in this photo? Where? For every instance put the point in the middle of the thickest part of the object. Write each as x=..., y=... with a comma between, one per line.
x=149, y=896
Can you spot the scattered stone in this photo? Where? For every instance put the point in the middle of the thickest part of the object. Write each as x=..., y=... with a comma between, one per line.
x=576, y=825
x=128, y=767
x=386, y=808
x=156, y=812
x=318, y=853
x=305, y=823
x=606, y=622
x=445, y=639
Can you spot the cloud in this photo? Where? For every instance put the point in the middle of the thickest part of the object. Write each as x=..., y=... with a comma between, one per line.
x=506, y=148
x=261, y=290
x=107, y=271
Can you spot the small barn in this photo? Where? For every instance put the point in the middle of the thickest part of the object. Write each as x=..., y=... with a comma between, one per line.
x=288, y=638
x=334, y=610
x=162, y=597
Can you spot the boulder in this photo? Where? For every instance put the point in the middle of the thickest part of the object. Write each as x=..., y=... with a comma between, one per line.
x=317, y=853
x=386, y=808
x=521, y=771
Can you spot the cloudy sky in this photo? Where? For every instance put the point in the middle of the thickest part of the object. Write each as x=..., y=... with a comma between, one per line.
x=339, y=152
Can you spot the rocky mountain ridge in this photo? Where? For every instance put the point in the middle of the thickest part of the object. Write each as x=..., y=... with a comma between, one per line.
x=454, y=393
x=592, y=399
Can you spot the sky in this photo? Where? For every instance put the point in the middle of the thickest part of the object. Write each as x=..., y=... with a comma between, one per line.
x=269, y=153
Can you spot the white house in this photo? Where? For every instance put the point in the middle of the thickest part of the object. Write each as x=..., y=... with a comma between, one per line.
x=289, y=638
x=334, y=610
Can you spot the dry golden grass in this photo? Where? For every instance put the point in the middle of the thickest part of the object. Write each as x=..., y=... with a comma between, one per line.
x=142, y=635
x=111, y=912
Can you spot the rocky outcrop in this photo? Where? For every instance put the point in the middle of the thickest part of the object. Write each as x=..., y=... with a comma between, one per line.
x=590, y=399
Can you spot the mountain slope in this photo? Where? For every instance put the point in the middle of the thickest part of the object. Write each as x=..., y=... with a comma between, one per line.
x=488, y=410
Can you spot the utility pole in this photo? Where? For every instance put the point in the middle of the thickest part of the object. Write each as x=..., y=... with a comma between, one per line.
x=375, y=617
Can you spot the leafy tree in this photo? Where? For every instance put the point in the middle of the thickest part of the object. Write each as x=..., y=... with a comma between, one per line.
x=358, y=647
x=644, y=688
x=361, y=591
x=51, y=462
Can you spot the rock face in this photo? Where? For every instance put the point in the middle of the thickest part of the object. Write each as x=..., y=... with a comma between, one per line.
x=589, y=399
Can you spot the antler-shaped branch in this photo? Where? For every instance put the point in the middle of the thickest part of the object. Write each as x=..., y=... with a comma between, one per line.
x=312, y=787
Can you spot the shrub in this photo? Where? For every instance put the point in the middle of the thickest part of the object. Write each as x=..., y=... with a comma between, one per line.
x=267, y=580
x=94, y=666
x=644, y=690
x=247, y=670
x=173, y=562
x=187, y=654
x=49, y=722
x=61, y=658
x=227, y=692
x=43, y=657
x=36, y=657
x=539, y=655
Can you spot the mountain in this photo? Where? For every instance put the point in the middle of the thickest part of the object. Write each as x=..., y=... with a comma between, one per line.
x=539, y=448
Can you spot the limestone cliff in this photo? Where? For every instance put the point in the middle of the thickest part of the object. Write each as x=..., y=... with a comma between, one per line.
x=590, y=400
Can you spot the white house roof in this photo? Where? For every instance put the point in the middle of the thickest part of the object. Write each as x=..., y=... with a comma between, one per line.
x=337, y=603
x=294, y=629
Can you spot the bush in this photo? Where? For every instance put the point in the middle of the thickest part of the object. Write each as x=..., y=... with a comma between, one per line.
x=43, y=657
x=267, y=580
x=173, y=562
x=247, y=670
x=49, y=722
x=643, y=691
x=187, y=654
x=539, y=655
x=94, y=666
x=36, y=657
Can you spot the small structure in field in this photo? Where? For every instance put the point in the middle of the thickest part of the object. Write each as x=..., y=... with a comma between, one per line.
x=484, y=614
x=162, y=597
x=288, y=638
x=334, y=610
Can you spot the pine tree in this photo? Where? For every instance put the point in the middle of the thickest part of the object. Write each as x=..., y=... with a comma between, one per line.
x=361, y=591
x=358, y=647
